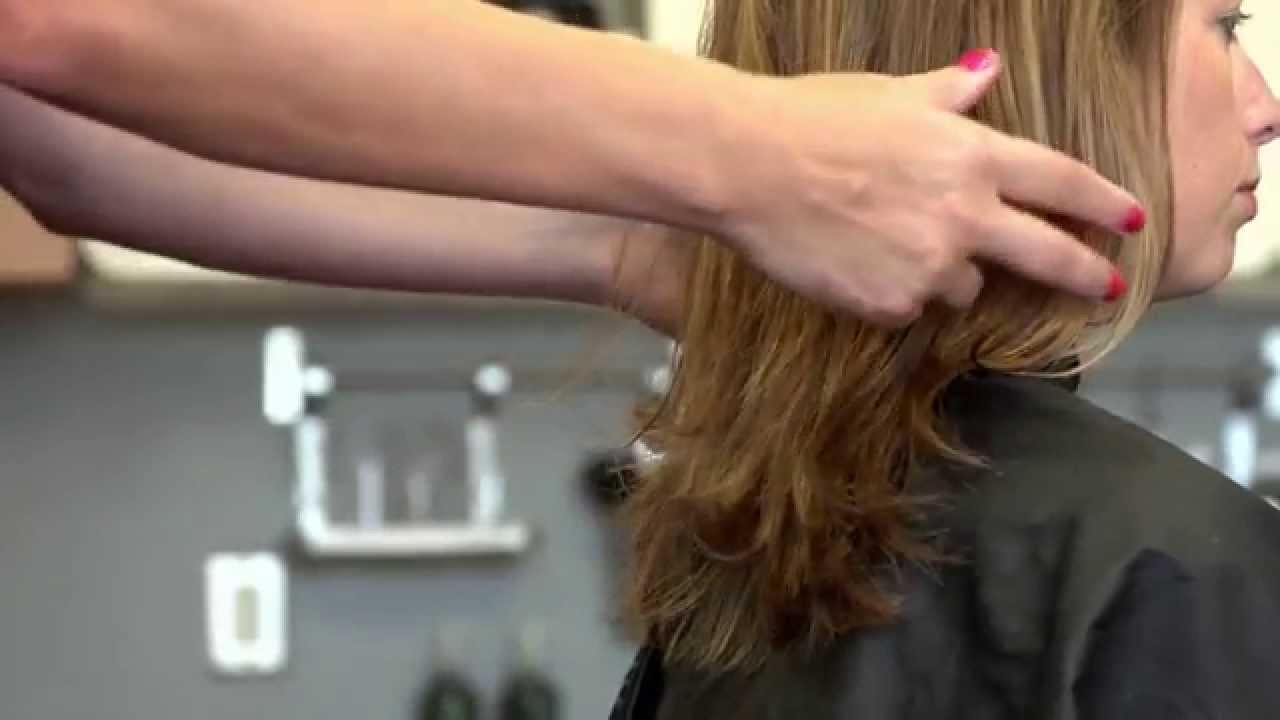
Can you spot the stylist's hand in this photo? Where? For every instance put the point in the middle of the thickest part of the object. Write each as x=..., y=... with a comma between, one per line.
x=881, y=196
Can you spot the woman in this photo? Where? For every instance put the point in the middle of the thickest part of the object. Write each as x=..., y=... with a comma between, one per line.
x=849, y=522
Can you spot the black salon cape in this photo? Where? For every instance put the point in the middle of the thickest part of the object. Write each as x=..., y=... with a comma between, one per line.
x=1110, y=576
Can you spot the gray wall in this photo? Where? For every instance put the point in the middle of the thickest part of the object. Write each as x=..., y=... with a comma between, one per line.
x=1201, y=346
x=133, y=446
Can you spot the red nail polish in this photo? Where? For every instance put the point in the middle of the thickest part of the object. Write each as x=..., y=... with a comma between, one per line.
x=977, y=60
x=1116, y=287
x=1135, y=221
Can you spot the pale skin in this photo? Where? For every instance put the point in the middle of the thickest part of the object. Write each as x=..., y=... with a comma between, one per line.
x=856, y=190
x=82, y=177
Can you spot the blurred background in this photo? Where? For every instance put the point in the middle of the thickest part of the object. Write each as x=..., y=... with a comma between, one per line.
x=229, y=498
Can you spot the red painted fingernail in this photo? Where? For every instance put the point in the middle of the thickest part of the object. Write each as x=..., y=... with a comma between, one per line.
x=1116, y=287
x=977, y=60
x=1135, y=221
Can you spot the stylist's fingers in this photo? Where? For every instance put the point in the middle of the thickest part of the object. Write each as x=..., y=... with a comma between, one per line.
x=959, y=87
x=1032, y=175
x=1029, y=173
x=963, y=286
x=1037, y=249
x=874, y=211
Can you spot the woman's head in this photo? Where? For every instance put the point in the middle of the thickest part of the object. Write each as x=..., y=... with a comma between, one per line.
x=790, y=432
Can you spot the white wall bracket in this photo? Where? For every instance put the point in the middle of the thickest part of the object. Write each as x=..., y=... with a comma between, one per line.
x=294, y=393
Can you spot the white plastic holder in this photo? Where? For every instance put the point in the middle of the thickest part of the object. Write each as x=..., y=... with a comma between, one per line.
x=293, y=392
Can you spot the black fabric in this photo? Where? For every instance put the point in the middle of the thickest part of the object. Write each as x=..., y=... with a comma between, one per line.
x=1107, y=575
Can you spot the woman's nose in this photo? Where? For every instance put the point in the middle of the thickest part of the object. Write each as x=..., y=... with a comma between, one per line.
x=1262, y=108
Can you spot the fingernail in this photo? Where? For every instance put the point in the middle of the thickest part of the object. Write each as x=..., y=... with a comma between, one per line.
x=1116, y=287
x=1135, y=220
x=977, y=60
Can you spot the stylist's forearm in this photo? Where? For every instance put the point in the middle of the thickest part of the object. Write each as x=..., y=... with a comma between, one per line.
x=83, y=178
x=445, y=96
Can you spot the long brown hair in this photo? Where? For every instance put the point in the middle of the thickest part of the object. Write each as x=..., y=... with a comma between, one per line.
x=788, y=434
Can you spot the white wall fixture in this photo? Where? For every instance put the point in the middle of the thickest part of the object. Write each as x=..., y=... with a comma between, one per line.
x=294, y=393
x=1240, y=445
x=246, y=613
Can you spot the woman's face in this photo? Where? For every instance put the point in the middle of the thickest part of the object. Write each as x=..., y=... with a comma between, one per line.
x=1221, y=113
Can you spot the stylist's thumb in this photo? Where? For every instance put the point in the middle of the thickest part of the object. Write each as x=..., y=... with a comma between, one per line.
x=960, y=86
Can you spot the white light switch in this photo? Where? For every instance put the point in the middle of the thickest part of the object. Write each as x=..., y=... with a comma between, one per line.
x=245, y=613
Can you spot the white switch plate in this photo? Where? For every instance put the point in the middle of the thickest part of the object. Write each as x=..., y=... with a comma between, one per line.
x=245, y=613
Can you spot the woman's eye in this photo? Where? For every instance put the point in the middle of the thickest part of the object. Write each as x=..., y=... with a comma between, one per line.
x=1231, y=24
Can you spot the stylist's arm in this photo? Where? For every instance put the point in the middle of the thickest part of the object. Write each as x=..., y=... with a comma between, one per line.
x=867, y=193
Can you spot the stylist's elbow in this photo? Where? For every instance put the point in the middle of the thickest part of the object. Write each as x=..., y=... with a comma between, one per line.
x=38, y=45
